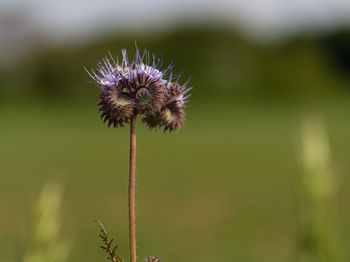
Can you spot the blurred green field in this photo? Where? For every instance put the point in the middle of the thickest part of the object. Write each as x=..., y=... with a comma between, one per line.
x=221, y=189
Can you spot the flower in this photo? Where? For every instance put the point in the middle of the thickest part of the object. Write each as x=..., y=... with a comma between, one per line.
x=116, y=107
x=172, y=115
x=138, y=87
x=152, y=259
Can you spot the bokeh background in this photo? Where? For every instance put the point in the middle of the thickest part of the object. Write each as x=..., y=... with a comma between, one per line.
x=229, y=185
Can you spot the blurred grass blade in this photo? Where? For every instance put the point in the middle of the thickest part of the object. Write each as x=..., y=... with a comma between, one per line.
x=317, y=196
x=45, y=245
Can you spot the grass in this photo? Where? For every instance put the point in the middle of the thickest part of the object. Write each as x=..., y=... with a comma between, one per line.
x=219, y=190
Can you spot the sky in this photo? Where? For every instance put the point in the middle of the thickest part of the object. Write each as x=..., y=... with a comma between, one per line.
x=75, y=18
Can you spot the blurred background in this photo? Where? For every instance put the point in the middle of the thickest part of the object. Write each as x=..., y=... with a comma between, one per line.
x=259, y=172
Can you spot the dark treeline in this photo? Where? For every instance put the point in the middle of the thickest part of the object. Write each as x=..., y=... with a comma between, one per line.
x=220, y=61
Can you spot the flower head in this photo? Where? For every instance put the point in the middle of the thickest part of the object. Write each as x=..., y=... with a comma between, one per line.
x=116, y=106
x=137, y=87
x=152, y=259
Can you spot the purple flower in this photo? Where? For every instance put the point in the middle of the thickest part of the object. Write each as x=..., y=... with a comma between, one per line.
x=152, y=259
x=137, y=87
